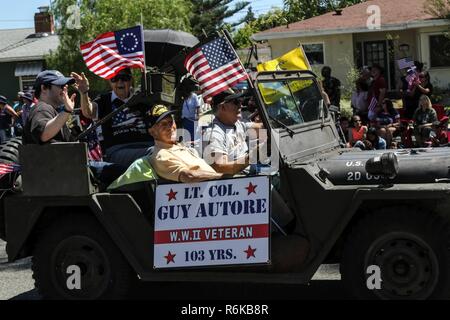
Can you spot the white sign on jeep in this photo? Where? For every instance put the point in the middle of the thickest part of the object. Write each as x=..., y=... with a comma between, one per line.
x=212, y=223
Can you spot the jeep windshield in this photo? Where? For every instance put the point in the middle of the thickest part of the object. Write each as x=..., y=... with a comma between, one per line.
x=291, y=102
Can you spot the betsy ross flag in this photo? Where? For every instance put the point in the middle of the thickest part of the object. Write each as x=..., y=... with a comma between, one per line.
x=215, y=66
x=111, y=52
x=8, y=168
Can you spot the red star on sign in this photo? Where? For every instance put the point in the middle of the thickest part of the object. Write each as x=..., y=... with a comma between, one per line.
x=171, y=195
x=251, y=188
x=170, y=257
x=250, y=252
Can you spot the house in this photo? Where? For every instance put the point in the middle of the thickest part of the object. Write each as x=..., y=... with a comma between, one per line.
x=263, y=54
x=352, y=37
x=22, y=53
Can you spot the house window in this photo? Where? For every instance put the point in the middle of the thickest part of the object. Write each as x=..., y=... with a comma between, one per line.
x=314, y=53
x=439, y=51
x=27, y=83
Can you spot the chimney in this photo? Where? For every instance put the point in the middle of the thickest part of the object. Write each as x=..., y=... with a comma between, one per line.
x=43, y=21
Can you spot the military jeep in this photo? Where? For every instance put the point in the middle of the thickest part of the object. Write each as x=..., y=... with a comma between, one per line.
x=366, y=210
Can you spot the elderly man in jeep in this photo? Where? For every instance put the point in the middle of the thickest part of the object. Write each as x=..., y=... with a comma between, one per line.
x=171, y=160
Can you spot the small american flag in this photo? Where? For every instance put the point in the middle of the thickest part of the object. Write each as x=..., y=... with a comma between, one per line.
x=405, y=63
x=215, y=66
x=8, y=168
x=373, y=104
x=412, y=77
x=112, y=51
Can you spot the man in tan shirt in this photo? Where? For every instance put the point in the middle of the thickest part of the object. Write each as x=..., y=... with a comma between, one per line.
x=173, y=161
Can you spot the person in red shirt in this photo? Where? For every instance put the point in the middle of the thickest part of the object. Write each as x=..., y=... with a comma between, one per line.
x=439, y=137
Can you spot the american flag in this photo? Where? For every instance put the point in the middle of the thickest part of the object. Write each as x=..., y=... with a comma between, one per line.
x=373, y=104
x=112, y=51
x=405, y=63
x=8, y=168
x=412, y=77
x=215, y=66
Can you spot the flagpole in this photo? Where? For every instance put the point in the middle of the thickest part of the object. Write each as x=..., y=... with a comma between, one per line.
x=240, y=62
x=144, y=82
x=304, y=54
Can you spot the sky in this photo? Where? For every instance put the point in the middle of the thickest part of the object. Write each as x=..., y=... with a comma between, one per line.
x=20, y=13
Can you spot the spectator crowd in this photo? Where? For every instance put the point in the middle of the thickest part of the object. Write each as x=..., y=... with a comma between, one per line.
x=377, y=124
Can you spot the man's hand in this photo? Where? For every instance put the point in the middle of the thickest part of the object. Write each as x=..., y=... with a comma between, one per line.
x=191, y=176
x=69, y=103
x=81, y=82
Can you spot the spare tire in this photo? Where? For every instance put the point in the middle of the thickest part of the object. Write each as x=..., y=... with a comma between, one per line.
x=9, y=153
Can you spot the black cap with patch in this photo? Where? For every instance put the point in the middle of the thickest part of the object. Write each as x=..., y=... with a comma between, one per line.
x=156, y=114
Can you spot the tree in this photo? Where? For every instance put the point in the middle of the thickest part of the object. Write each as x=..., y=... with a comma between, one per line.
x=242, y=36
x=250, y=17
x=209, y=15
x=97, y=17
x=438, y=8
x=297, y=10
x=273, y=18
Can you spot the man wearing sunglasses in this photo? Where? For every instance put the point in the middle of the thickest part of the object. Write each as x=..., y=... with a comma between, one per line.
x=227, y=138
x=227, y=135
x=46, y=122
x=124, y=138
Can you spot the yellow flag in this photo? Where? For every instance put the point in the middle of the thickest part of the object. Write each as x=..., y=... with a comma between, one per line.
x=293, y=60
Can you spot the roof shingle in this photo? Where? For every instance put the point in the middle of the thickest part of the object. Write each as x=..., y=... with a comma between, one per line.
x=393, y=12
x=20, y=44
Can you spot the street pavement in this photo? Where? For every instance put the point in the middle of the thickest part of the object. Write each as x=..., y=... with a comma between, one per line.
x=16, y=283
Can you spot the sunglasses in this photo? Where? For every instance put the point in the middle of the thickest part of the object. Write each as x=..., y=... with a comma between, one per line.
x=123, y=77
x=236, y=102
x=61, y=87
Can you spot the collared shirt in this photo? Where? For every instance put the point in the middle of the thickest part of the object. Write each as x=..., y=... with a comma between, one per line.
x=228, y=140
x=169, y=160
x=114, y=96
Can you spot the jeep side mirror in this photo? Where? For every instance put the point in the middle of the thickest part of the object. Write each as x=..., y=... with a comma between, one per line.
x=385, y=165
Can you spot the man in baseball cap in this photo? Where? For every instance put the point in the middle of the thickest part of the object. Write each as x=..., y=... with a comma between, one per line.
x=156, y=114
x=53, y=77
x=226, y=137
x=173, y=161
x=46, y=122
x=226, y=96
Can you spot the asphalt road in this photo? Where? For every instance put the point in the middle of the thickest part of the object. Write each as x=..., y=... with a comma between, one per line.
x=16, y=283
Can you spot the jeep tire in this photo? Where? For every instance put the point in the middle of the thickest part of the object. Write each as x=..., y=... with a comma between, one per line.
x=411, y=249
x=79, y=240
